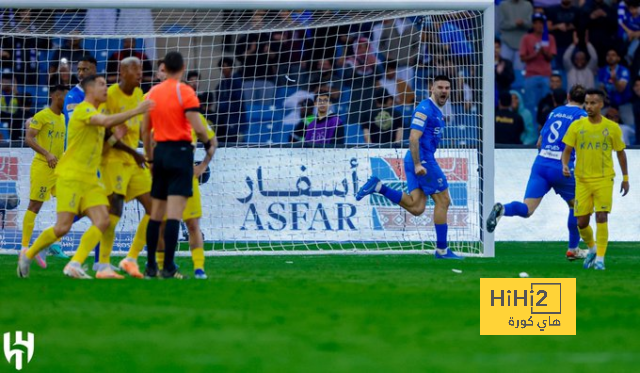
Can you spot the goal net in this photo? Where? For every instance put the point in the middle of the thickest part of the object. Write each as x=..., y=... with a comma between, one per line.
x=306, y=104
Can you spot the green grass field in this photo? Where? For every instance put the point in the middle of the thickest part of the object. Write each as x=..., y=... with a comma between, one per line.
x=406, y=313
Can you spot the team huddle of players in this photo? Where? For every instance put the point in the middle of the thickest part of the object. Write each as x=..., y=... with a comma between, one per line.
x=575, y=159
x=85, y=144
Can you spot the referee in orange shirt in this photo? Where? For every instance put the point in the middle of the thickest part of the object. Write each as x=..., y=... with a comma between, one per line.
x=176, y=112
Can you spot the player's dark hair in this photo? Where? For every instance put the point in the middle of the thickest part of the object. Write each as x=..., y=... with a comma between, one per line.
x=89, y=58
x=173, y=62
x=577, y=94
x=89, y=80
x=58, y=88
x=441, y=78
x=228, y=61
x=596, y=92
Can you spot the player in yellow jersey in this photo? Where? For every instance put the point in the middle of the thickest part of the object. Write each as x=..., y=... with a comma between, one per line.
x=78, y=188
x=193, y=210
x=594, y=138
x=46, y=137
x=123, y=177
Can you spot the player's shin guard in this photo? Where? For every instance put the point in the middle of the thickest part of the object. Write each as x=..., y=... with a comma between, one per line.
x=574, y=233
x=89, y=240
x=171, y=232
x=516, y=208
x=587, y=235
x=108, y=238
x=46, y=238
x=28, y=223
x=153, y=235
x=392, y=195
x=140, y=239
x=197, y=255
x=602, y=239
x=441, y=236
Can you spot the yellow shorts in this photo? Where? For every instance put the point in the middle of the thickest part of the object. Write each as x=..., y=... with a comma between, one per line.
x=127, y=180
x=193, y=210
x=43, y=181
x=77, y=196
x=596, y=194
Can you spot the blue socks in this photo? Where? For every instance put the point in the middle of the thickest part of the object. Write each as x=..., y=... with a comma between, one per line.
x=574, y=233
x=516, y=209
x=441, y=236
x=392, y=195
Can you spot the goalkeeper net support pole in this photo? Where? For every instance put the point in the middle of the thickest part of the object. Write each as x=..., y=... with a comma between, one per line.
x=308, y=100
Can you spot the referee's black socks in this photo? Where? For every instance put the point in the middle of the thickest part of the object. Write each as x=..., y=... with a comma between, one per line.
x=171, y=232
x=153, y=235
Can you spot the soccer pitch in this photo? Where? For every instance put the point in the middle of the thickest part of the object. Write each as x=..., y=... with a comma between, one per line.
x=321, y=314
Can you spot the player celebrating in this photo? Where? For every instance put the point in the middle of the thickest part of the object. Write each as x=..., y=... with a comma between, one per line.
x=78, y=188
x=121, y=174
x=46, y=137
x=172, y=159
x=424, y=176
x=546, y=172
x=594, y=138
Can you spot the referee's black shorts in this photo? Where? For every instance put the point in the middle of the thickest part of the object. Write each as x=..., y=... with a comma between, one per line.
x=172, y=170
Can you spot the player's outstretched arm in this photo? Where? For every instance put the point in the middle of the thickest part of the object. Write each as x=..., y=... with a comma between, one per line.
x=30, y=139
x=566, y=156
x=109, y=121
x=414, y=148
x=622, y=159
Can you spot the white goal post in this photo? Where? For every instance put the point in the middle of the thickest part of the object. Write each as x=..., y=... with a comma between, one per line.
x=267, y=195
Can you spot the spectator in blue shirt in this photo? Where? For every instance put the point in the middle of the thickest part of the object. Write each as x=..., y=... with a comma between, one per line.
x=629, y=21
x=614, y=79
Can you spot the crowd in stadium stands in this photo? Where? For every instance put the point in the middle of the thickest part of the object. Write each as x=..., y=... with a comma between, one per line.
x=272, y=85
x=372, y=73
x=544, y=47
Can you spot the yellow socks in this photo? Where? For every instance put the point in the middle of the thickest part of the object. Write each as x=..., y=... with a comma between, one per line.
x=140, y=239
x=108, y=238
x=28, y=223
x=197, y=255
x=602, y=239
x=88, y=242
x=160, y=259
x=587, y=235
x=46, y=238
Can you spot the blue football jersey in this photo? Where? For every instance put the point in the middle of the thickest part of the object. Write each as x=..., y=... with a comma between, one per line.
x=554, y=130
x=428, y=118
x=73, y=98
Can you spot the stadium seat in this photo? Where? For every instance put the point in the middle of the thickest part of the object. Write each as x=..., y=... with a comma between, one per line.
x=353, y=134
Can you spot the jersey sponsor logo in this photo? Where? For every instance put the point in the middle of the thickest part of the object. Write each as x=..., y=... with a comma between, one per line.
x=420, y=115
x=418, y=122
x=557, y=155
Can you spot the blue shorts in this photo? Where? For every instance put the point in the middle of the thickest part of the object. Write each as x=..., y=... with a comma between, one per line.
x=544, y=177
x=433, y=182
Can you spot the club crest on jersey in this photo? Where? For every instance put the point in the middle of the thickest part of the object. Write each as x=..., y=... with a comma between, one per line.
x=605, y=132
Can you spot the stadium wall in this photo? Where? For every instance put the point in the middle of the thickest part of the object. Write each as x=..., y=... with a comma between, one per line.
x=308, y=195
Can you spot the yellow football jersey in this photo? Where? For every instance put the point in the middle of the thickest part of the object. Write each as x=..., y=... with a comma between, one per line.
x=51, y=132
x=84, y=145
x=594, y=144
x=118, y=102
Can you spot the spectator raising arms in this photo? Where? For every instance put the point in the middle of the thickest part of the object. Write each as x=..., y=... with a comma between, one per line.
x=581, y=70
